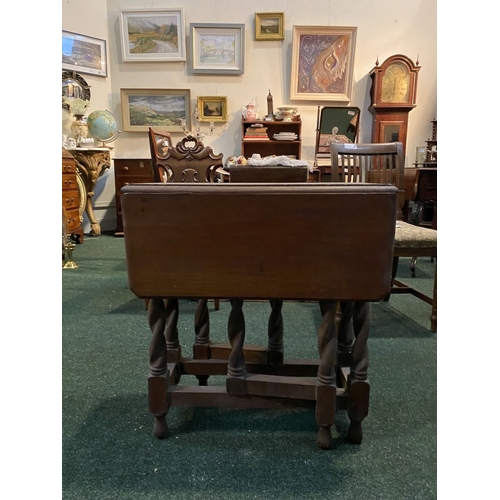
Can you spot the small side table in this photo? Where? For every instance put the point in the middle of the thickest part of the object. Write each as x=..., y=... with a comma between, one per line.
x=91, y=164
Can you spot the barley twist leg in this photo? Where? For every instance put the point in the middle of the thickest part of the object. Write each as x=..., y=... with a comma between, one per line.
x=158, y=379
x=275, y=334
x=201, y=348
x=325, y=389
x=236, y=370
x=359, y=387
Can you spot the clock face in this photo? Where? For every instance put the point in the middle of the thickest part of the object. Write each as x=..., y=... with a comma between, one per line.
x=395, y=83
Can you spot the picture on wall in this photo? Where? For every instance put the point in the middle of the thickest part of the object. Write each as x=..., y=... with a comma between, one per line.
x=153, y=35
x=166, y=108
x=212, y=108
x=322, y=63
x=84, y=54
x=269, y=26
x=217, y=49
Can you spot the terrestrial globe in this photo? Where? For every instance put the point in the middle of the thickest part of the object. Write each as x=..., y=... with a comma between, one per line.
x=102, y=126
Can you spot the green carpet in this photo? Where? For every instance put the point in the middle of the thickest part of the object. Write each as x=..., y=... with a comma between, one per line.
x=109, y=451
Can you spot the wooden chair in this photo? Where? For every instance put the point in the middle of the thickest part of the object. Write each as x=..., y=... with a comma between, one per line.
x=160, y=142
x=384, y=163
x=351, y=229
x=268, y=174
x=189, y=161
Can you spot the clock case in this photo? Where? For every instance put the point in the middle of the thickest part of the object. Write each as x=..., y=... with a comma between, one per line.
x=390, y=119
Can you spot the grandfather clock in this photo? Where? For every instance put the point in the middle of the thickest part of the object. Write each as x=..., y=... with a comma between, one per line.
x=393, y=96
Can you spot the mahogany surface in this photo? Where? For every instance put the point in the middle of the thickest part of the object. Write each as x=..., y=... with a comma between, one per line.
x=268, y=174
x=261, y=245
x=270, y=230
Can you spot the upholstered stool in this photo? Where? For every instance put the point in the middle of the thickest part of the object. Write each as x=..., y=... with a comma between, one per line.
x=416, y=241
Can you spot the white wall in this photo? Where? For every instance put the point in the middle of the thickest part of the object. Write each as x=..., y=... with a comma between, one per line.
x=91, y=18
x=385, y=28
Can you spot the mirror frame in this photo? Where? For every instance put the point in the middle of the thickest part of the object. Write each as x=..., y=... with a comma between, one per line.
x=73, y=75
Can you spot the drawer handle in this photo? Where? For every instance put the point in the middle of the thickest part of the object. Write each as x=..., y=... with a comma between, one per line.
x=126, y=183
x=66, y=167
x=141, y=164
x=125, y=169
x=68, y=182
x=69, y=201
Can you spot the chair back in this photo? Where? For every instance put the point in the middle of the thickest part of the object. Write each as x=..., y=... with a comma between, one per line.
x=189, y=161
x=268, y=174
x=372, y=163
x=159, y=144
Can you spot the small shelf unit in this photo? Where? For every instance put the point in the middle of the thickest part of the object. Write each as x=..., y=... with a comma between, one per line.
x=272, y=146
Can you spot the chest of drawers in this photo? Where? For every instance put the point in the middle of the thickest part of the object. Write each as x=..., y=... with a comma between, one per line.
x=129, y=171
x=71, y=200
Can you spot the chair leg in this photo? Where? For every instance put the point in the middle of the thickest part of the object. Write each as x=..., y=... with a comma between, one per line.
x=434, y=303
x=395, y=262
x=413, y=265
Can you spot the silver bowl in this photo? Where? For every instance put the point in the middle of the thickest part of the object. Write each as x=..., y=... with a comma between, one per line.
x=287, y=112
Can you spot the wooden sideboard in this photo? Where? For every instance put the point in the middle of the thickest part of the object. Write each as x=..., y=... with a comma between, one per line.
x=129, y=171
x=71, y=198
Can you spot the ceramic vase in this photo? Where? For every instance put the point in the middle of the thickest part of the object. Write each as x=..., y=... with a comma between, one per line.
x=79, y=127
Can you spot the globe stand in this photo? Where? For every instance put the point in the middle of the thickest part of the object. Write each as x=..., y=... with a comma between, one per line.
x=103, y=145
x=102, y=127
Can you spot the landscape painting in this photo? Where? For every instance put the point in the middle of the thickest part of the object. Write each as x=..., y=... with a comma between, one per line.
x=166, y=108
x=217, y=48
x=153, y=35
x=212, y=108
x=269, y=25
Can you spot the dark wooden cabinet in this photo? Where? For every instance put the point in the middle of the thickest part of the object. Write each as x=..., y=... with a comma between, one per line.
x=271, y=146
x=71, y=199
x=129, y=171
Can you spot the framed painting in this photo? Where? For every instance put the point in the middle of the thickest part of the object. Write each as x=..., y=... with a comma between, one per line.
x=322, y=63
x=84, y=54
x=212, y=108
x=269, y=26
x=153, y=35
x=166, y=108
x=217, y=49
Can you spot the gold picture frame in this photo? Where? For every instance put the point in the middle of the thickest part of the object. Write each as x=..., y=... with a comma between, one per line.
x=169, y=109
x=322, y=63
x=269, y=26
x=212, y=108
